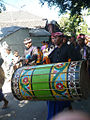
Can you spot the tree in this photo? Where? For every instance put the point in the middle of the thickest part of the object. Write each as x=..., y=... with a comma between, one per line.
x=88, y=12
x=2, y=6
x=64, y=23
x=74, y=6
x=73, y=25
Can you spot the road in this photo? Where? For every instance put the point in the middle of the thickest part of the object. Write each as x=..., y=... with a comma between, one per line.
x=31, y=110
x=21, y=110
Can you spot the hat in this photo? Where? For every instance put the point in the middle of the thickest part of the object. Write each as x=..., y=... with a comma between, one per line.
x=58, y=34
x=27, y=40
x=81, y=36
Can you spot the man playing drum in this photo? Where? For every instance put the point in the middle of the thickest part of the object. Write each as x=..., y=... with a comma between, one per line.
x=60, y=54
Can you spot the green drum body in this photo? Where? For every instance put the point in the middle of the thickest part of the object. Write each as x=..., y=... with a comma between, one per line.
x=60, y=81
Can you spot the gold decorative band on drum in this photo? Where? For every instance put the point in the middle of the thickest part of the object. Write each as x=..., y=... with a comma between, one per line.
x=60, y=81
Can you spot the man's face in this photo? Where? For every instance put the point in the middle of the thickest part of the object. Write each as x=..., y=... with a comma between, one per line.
x=80, y=42
x=72, y=39
x=58, y=40
x=8, y=51
x=64, y=40
x=52, y=39
x=28, y=45
x=16, y=54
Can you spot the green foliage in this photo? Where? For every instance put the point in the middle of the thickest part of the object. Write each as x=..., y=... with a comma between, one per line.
x=2, y=7
x=73, y=25
x=74, y=6
x=88, y=13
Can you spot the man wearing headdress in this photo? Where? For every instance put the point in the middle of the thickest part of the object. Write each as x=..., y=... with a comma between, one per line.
x=30, y=52
x=60, y=54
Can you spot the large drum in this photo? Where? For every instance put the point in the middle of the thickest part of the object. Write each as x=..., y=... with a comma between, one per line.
x=61, y=81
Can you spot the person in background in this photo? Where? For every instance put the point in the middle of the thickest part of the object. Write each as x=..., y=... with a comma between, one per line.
x=74, y=47
x=45, y=50
x=51, y=45
x=45, y=54
x=65, y=39
x=39, y=58
x=87, y=40
x=60, y=54
x=9, y=56
x=2, y=79
x=43, y=45
x=73, y=40
x=30, y=52
x=84, y=50
x=16, y=57
x=8, y=61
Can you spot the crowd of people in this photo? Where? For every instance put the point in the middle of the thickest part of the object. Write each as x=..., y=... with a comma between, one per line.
x=59, y=48
x=10, y=61
x=53, y=51
x=7, y=66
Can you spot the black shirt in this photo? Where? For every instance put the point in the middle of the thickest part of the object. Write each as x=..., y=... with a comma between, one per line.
x=61, y=54
x=75, y=50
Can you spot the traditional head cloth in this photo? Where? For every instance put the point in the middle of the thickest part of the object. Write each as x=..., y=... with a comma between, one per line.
x=27, y=40
x=81, y=36
x=58, y=34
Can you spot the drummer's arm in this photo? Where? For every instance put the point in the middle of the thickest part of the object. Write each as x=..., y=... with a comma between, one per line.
x=34, y=57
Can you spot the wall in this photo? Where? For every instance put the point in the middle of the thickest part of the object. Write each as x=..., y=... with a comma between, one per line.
x=37, y=40
x=15, y=40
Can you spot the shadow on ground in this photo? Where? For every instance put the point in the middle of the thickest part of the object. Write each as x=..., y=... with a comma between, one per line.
x=33, y=110
x=23, y=110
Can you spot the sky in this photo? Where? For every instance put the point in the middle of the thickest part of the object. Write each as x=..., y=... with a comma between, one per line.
x=34, y=7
